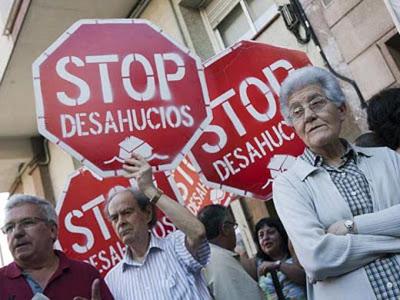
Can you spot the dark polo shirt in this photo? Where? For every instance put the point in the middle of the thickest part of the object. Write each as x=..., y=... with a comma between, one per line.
x=72, y=278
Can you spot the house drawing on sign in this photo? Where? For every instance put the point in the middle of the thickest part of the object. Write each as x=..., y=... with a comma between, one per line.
x=135, y=145
x=279, y=163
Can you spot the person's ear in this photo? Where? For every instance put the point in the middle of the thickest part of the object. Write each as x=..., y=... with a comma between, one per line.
x=149, y=212
x=223, y=230
x=342, y=111
x=53, y=231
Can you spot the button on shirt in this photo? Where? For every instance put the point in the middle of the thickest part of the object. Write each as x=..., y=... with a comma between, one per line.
x=169, y=271
x=354, y=188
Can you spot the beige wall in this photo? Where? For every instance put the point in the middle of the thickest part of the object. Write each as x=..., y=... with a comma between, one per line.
x=6, y=42
x=353, y=35
x=61, y=165
x=357, y=31
x=277, y=34
x=183, y=24
x=32, y=183
x=161, y=13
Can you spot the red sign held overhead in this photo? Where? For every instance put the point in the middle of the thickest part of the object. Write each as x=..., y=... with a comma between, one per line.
x=107, y=88
x=247, y=143
x=196, y=195
x=84, y=232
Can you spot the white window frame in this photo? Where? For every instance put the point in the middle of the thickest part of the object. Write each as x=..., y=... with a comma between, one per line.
x=14, y=12
x=11, y=16
x=255, y=26
x=390, y=6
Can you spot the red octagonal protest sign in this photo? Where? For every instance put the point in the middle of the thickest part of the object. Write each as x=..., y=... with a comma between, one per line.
x=84, y=231
x=195, y=195
x=107, y=88
x=247, y=143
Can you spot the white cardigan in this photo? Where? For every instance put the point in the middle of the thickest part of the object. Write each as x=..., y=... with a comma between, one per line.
x=307, y=201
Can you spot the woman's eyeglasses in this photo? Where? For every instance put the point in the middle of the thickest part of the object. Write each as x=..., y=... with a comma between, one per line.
x=316, y=105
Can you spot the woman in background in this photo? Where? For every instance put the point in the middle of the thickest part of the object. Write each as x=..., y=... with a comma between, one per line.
x=384, y=117
x=280, y=276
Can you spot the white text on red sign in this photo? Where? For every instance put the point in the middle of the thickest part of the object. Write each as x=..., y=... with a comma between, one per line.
x=241, y=157
x=96, y=123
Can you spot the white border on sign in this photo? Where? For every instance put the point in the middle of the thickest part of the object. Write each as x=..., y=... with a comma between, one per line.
x=61, y=199
x=132, y=182
x=174, y=187
x=211, y=184
x=71, y=176
x=213, y=103
x=203, y=180
x=40, y=109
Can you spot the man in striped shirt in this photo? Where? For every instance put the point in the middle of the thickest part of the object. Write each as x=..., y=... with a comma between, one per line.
x=155, y=268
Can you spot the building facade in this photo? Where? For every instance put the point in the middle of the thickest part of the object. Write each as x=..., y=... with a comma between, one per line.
x=358, y=39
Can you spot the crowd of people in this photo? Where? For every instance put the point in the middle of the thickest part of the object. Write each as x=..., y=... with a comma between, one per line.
x=337, y=236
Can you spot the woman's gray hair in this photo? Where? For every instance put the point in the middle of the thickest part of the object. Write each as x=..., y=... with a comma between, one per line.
x=137, y=195
x=307, y=76
x=46, y=209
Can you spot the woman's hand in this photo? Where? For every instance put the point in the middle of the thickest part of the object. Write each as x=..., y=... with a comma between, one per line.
x=266, y=267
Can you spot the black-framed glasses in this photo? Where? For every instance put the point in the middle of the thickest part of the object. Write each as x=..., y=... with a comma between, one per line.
x=316, y=105
x=234, y=224
x=24, y=223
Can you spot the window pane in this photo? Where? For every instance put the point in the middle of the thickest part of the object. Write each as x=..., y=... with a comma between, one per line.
x=234, y=26
x=5, y=9
x=393, y=45
x=396, y=8
x=327, y=2
x=258, y=7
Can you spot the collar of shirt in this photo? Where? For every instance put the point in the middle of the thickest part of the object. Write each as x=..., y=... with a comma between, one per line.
x=34, y=285
x=219, y=249
x=156, y=244
x=350, y=153
x=14, y=271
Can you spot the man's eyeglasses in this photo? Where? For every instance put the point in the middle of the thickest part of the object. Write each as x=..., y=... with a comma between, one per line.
x=25, y=223
x=234, y=224
x=316, y=105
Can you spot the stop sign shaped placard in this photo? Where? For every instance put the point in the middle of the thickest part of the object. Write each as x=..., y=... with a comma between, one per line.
x=195, y=194
x=107, y=88
x=84, y=232
x=247, y=143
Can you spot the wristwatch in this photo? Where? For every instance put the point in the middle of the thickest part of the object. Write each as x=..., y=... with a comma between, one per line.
x=349, y=224
x=156, y=196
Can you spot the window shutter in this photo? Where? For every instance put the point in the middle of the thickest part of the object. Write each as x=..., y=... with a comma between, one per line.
x=218, y=10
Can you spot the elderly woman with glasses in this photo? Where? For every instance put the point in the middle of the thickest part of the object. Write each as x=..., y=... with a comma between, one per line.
x=339, y=203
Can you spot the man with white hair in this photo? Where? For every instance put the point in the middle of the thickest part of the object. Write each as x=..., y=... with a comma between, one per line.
x=38, y=270
x=155, y=268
